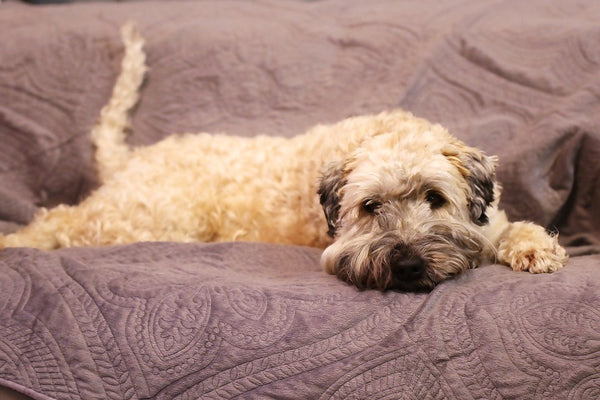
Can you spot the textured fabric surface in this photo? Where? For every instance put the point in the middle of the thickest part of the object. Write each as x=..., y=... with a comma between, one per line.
x=159, y=320
x=260, y=321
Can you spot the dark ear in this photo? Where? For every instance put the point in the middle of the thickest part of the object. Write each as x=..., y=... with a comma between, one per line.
x=330, y=193
x=479, y=171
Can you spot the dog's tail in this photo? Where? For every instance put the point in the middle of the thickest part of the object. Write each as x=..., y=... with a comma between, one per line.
x=109, y=133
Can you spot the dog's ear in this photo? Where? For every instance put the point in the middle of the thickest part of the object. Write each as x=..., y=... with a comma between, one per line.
x=479, y=171
x=333, y=179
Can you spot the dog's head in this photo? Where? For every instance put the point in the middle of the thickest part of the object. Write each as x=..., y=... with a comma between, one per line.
x=406, y=208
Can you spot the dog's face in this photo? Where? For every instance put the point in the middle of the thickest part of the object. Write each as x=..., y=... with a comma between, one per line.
x=406, y=210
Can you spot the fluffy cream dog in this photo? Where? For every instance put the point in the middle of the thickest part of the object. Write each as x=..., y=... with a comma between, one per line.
x=406, y=205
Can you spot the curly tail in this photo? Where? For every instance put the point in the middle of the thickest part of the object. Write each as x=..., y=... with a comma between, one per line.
x=109, y=133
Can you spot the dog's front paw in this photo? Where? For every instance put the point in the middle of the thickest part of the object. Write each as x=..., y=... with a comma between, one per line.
x=538, y=261
x=529, y=247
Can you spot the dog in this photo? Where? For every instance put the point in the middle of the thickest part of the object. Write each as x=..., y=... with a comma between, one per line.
x=395, y=201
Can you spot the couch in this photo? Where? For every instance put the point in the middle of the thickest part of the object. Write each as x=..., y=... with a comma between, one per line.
x=262, y=321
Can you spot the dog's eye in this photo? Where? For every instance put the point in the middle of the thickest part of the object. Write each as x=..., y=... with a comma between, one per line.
x=371, y=205
x=435, y=199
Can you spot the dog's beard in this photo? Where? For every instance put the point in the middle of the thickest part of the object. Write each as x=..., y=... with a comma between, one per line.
x=369, y=260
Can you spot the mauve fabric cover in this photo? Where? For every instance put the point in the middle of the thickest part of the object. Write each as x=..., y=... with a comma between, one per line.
x=255, y=321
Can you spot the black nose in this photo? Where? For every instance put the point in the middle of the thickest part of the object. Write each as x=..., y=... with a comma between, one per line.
x=406, y=267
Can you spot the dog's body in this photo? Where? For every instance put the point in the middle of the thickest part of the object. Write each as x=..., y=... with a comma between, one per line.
x=407, y=204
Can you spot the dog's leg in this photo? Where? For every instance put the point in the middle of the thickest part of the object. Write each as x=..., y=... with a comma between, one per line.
x=91, y=223
x=525, y=246
x=109, y=133
x=43, y=232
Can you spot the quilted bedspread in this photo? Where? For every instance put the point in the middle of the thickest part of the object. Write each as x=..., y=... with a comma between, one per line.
x=260, y=321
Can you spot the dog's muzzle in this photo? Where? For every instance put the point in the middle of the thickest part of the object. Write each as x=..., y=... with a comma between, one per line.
x=409, y=263
x=406, y=267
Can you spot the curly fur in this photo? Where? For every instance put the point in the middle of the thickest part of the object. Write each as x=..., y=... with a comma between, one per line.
x=397, y=202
